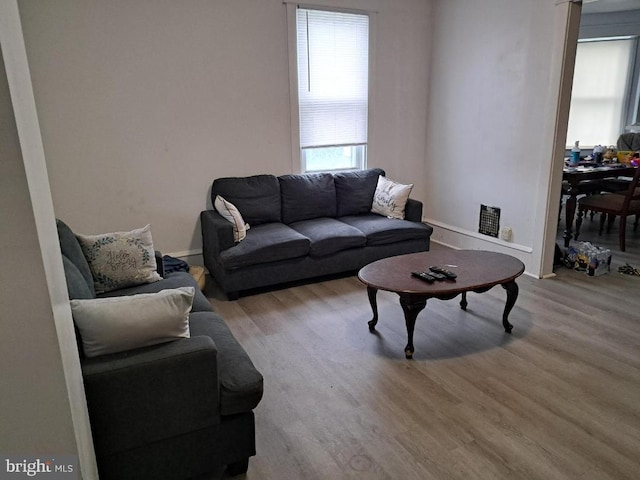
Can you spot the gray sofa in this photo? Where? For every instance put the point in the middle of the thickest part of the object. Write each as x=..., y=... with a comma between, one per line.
x=175, y=410
x=303, y=226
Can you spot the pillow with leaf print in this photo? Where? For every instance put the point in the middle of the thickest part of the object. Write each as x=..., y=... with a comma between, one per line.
x=120, y=259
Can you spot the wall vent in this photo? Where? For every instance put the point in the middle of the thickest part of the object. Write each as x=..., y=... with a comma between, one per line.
x=489, y=220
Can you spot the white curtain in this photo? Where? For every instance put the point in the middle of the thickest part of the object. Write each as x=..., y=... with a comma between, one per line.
x=333, y=78
x=600, y=86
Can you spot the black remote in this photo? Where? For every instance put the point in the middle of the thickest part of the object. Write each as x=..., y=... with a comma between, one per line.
x=438, y=276
x=427, y=277
x=447, y=273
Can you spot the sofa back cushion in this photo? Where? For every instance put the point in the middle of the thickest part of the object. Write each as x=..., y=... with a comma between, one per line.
x=77, y=286
x=76, y=267
x=354, y=191
x=307, y=196
x=257, y=198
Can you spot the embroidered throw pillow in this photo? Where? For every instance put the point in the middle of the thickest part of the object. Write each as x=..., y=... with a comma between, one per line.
x=390, y=198
x=120, y=259
x=117, y=324
x=229, y=211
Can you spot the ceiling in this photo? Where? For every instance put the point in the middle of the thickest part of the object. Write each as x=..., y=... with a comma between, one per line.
x=607, y=6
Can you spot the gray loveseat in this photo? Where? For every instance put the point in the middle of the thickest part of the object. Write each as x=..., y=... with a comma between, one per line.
x=303, y=226
x=175, y=410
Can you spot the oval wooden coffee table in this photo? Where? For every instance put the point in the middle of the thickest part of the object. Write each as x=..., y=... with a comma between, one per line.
x=477, y=270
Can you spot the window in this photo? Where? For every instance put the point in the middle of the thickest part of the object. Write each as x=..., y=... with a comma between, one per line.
x=600, y=92
x=332, y=75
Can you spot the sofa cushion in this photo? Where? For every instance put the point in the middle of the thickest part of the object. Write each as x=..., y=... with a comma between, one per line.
x=120, y=259
x=329, y=235
x=241, y=385
x=381, y=230
x=118, y=324
x=71, y=249
x=170, y=280
x=307, y=196
x=390, y=198
x=354, y=190
x=265, y=243
x=257, y=198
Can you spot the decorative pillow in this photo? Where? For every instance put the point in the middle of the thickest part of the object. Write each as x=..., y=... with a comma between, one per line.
x=229, y=211
x=117, y=324
x=390, y=198
x=120, y=259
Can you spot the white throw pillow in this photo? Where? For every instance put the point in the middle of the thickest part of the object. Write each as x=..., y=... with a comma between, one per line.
x=117, y=324
x=120, y=259
x=390, y=198
x=229, y=211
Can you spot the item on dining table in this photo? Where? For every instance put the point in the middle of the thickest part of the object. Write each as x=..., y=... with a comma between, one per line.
x=598, y=153
x=610, y=153
x=625, y=156
x=575, y=154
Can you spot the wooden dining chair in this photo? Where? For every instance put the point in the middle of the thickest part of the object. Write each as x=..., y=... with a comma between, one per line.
x=586, y=187
x=612, y=205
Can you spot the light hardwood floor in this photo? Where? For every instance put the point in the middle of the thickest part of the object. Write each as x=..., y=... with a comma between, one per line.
x=557, y=399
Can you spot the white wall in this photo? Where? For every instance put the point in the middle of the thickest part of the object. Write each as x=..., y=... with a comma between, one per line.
x=493, y=105
x=42, y=405
x=34, y=411
x=143, y=103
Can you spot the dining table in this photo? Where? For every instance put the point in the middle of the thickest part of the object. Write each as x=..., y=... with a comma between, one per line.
x=577, y=175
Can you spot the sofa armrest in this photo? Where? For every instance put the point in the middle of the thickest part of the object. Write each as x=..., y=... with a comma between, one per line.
x=216, y=231
x=159, y=263
x=217, y=234
x=413, y=210
x=153, y=393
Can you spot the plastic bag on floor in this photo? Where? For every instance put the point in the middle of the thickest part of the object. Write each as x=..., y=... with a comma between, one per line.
x=588, y=258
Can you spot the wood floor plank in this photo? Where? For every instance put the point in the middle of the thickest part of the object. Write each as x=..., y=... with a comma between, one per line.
x=559, y=398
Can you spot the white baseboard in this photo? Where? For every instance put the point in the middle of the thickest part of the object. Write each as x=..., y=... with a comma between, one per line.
x=184, y=253
x=192, y=257
x=476, y=235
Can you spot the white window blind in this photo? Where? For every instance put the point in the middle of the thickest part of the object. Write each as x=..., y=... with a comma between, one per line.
x=333, y=77
x=599, y=94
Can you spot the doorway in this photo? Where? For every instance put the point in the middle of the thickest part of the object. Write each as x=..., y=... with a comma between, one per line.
x=600, y=19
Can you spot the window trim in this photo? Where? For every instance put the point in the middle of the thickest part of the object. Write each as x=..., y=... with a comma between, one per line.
x=633, y=105
x=360, y=153
x=291, y=8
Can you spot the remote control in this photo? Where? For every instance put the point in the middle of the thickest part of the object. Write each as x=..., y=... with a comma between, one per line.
x=427, y=277
x=438, y=276
x=447, y=273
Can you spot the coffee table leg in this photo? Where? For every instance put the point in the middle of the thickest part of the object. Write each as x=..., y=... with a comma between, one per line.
x=512, y=296
x=411, y=308
x=463, y=301
x=372, y=293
